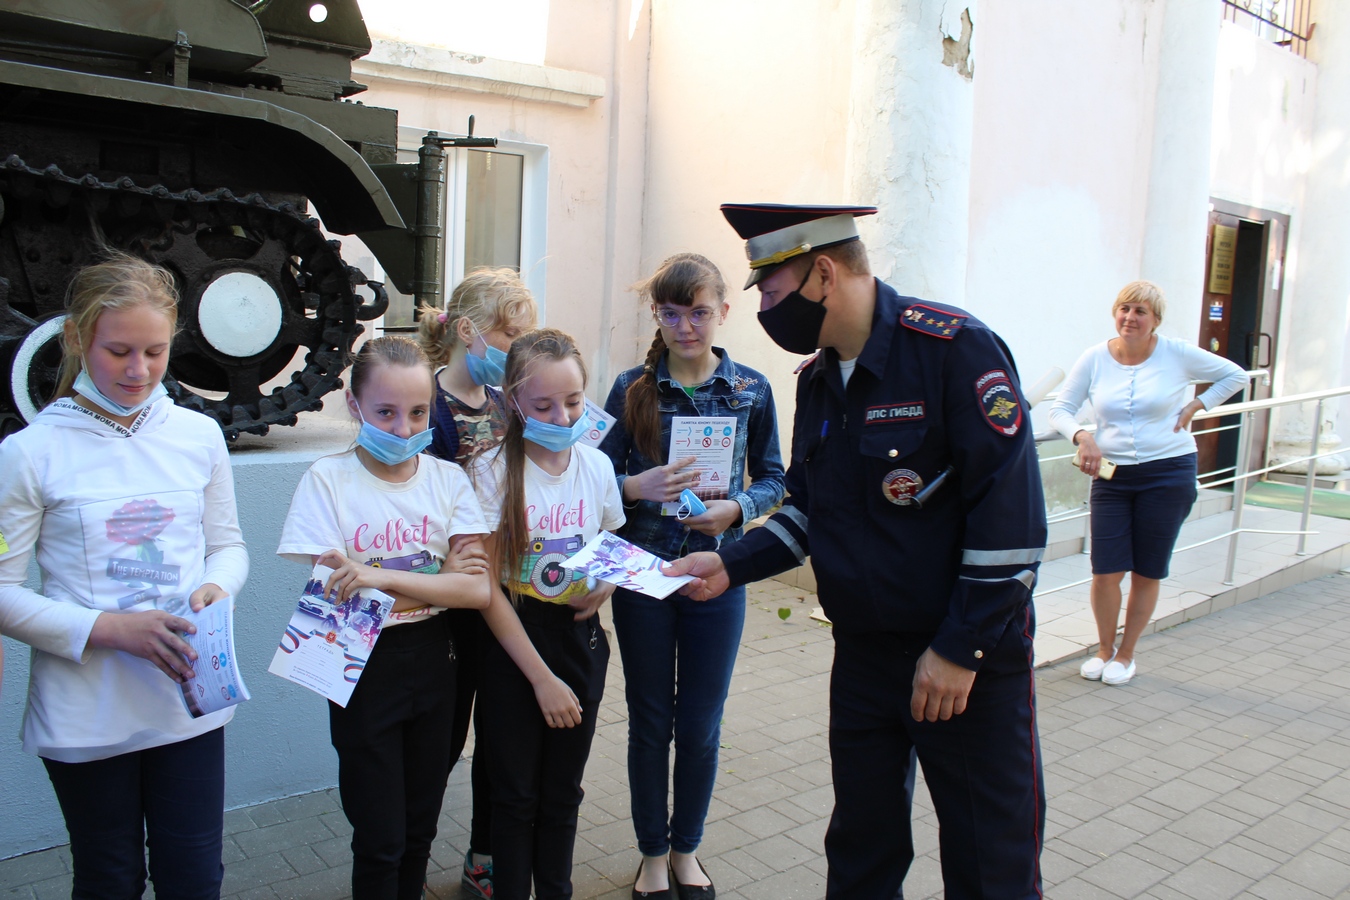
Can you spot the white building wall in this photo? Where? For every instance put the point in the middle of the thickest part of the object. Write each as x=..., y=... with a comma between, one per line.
x=1063, y=137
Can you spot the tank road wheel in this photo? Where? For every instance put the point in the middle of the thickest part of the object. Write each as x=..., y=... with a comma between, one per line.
x=34, y=366
x=259, y=285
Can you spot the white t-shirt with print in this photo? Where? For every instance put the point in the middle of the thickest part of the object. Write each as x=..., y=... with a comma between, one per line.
x=339, y=505
x=563, y=512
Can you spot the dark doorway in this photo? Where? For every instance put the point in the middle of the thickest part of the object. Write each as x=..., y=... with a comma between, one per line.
x=1241, y=316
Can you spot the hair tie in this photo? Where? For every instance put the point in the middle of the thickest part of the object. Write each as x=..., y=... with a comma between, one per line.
x=648, y=369
x=441, y=318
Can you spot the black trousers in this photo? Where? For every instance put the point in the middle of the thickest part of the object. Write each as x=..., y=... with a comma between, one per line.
x=983, y=769
x=393, y=745
x=171, y=798
x=471, y=635
x=536, y=770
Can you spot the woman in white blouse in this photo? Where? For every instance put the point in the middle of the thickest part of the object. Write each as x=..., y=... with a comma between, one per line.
x=1138, y=384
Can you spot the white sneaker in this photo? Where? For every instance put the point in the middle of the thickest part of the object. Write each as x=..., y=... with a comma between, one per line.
x=1092, y=669
x=1117, y=673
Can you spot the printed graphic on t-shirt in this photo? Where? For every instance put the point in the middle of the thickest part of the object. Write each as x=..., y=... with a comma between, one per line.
x=541, y=572
x=397, y=535
x=136, y=549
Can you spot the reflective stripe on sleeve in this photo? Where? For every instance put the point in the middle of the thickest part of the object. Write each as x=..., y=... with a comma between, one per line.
x=1026, y=576
x=782, y=534
x=796, y=515
x=1020, y=557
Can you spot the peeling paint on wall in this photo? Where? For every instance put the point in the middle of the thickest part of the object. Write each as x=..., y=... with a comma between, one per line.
x=956, y=51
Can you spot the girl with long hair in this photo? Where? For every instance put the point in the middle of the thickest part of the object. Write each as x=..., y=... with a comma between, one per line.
x=543, y=673
x=678, y=653
x=128, y=502
x=467, y=342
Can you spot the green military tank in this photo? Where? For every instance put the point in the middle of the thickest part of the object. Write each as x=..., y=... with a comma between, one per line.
x=202, y=135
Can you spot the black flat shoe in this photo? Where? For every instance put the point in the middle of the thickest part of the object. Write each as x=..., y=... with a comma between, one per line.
x=663, y=894
x=694, y=891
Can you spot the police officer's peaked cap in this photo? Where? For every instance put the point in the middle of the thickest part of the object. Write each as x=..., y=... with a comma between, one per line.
x=776, y=232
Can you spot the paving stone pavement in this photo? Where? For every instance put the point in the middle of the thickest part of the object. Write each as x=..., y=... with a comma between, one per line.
x=1219, y=772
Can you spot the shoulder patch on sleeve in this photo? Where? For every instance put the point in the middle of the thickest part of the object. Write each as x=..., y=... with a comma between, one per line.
x=936, y=322
x=999, y=404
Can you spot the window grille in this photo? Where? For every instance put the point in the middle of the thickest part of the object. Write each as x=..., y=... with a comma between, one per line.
x=1283, y=22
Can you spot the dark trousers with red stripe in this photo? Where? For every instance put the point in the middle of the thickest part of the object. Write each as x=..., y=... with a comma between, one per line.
x=982, y=768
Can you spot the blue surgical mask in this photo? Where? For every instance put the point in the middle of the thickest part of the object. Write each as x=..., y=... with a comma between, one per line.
x=388, y=447
x=490, y=368
x=555, y=437
x=85, y=387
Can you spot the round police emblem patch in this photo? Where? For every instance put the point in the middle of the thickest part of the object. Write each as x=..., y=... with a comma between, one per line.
x=900, y=485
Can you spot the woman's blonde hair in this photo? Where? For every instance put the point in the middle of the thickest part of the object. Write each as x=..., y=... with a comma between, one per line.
x=489, y=298
x=676, y=282
x=528, y=352
x=120, y=281
x=1145, y=292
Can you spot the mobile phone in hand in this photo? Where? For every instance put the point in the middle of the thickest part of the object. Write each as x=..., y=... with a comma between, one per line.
x=1104, y=471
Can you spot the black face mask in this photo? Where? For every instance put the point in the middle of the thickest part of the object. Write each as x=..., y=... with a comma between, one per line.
x=794, y=322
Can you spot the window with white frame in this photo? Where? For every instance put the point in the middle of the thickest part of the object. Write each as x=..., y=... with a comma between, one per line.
x=495, y=216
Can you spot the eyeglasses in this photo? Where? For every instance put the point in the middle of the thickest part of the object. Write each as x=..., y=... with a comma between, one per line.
x=698, y=317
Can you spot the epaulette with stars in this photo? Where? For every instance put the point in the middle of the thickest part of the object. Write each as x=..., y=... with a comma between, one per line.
x=938, y=323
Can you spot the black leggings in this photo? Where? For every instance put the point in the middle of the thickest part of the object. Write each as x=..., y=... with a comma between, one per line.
x=393, y=745
x=471, y=636
x=536, y=770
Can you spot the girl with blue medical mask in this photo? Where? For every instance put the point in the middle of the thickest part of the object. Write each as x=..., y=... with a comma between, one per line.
x=384, y=515
x=466, y=342
x=543, y=675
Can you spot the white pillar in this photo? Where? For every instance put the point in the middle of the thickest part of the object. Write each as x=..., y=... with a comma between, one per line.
x=1177, y=214
x=1319, y=308
x=909, y=140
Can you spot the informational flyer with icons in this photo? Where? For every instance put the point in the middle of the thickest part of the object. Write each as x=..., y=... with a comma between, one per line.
x=326, y=645
x=601, y=425
x=711, y=440
x=609, y=558
x=218, y=683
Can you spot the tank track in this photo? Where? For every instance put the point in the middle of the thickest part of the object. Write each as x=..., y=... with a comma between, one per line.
x=327, y=325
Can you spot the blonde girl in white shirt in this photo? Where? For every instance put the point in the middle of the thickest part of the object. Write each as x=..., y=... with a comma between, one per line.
x=128, y=502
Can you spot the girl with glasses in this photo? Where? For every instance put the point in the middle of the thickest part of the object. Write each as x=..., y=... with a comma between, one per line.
x=678, y=653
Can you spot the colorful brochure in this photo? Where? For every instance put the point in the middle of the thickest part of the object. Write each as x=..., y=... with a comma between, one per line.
x=326, y=645
x=609, y=558
x=218, y=683
x=711, y=440
x=601, y=425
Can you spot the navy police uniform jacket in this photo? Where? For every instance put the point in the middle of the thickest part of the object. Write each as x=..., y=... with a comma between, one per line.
x=934, y=390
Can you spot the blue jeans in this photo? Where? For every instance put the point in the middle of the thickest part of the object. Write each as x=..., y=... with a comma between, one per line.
x=677, y=660
x=175, y=794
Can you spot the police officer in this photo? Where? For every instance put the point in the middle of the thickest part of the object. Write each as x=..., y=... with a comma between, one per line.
x=914, y=489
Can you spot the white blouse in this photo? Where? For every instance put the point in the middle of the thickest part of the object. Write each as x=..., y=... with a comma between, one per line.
x=1136, y=407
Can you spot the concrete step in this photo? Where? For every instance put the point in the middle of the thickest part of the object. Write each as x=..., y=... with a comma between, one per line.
x=1265, y=562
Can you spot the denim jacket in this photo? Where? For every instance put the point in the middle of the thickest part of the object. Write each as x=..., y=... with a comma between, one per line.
x=733, y=390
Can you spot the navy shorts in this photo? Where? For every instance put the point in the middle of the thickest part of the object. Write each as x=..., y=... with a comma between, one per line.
x=1137, y=515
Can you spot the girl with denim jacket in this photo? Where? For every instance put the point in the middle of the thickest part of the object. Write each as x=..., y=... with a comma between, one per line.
x=677, y=653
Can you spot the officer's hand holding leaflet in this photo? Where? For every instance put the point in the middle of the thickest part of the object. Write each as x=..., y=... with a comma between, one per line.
x=940, y=688
x=710, y=575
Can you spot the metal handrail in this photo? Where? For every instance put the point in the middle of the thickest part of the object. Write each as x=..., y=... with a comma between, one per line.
x=1246, y=410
